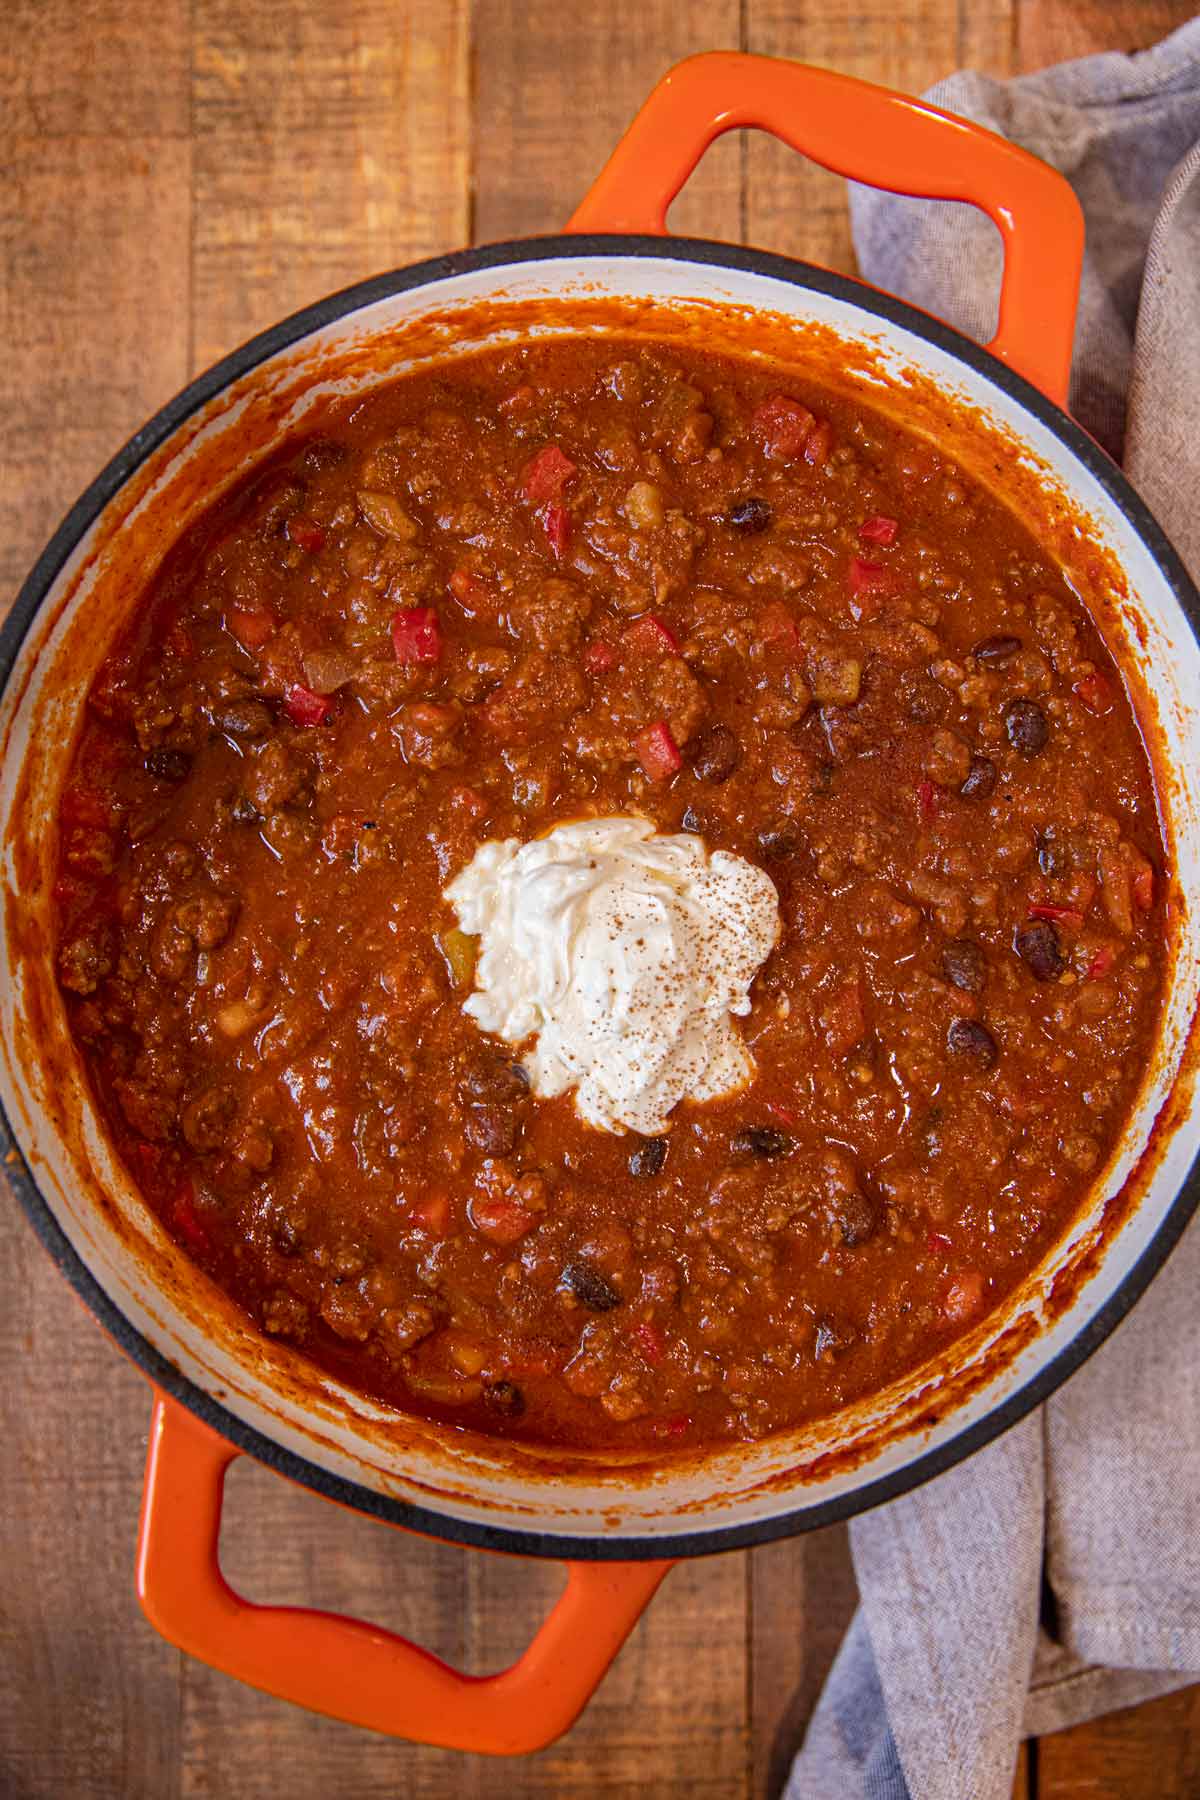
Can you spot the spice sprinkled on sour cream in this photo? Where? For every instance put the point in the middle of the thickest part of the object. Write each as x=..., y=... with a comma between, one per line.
x=624, y=955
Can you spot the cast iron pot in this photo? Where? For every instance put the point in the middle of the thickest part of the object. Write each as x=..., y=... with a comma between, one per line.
x=221, y=1387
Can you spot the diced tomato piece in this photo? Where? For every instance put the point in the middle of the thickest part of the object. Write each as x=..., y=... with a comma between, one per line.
x=879, y=529
x=1096, y=693
x=1143, y=885
x=1101, y=963
x=1065, y=915
x=650, y=1341
x=870, y=586
x=820, y=443
x=649, y=636
x=963, y=1297
x=503, y=1221
x=781, y=427
x=84, y=806
x=547, y=476
x=303, y=707
x=777, y=627
x=417, y=635
x=658, y=752
x=306, y=533
x=599, y=657
x=842, y=1019
x=927, y=802
x=432, y=1212
x=556, y=523
x=187, y=1221
x=251, y=629
x=519, y=399
x=937, y=1242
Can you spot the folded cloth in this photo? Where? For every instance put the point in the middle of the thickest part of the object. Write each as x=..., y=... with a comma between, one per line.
x=1055, y=1575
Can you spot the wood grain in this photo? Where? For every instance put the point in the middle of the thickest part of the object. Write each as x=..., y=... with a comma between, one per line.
x=331, y=141
x=175, y=176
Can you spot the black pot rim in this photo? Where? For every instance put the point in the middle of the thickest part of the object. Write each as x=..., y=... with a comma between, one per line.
x=170, y=1379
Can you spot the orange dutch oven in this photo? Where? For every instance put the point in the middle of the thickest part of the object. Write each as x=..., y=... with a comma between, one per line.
x=222, y=1388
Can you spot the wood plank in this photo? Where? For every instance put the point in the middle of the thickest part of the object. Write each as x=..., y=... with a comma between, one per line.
x=88, y=1693
x=93, y=314
x=1050, y=33
x=555, y=86
x=331, y=142
x=1148, y=1752
x=107, y=68
x=792, y=205
x=802, y=1598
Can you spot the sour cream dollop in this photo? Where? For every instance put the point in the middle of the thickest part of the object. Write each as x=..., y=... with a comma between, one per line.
x=623, y=955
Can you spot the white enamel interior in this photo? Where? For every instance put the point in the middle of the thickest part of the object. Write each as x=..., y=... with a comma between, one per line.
x=348, y=1436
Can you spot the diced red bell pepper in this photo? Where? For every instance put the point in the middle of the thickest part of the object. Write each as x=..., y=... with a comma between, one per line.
x=556, y=523
x=303, y=707
x=938, y=1243
x=658, y=752
x=927, y=802
x=1101, y=963
x=432, y=1212
x=870, y=586
x=1143, y=886
x=417, y=635
x=306, y=533
x=777, y=627
x=879, y=529
x=1096, y=693
x=1063, y=915
x=649, y=636
x=820, y=443
x=547, y=476
x=673, y=1425
x=650, y=1341
x=502, y=1221
x=781, y=427
x=599, y=657
x=250, y=628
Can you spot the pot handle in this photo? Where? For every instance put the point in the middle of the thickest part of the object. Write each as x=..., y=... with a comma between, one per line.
x=345, y=1667
x=873, y=135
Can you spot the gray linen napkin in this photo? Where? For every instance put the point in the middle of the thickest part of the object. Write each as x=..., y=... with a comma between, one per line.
x=1056, y=1574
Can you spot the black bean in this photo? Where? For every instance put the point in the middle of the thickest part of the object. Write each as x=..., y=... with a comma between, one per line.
x=996, y=649
x=760, y=1140
x=857, y=1216
x=589, y=1287
x=506, y=1397
x=779, y=842
x=692, y=821
x=491, y=1129
x=649, y=1157
x=243, y=718
x=714, y=753
x=167, y=765
x=981, y=779
x=1025, y=723
x=1052, y=856
x=751, y=515
x=243, y=811
x=489, y=1076
x=972, y=1041
x=1037, y=945
x=964, y=965
x=828, y=1338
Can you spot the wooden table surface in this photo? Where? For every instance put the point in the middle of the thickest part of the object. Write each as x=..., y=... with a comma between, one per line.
x=175, y=175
